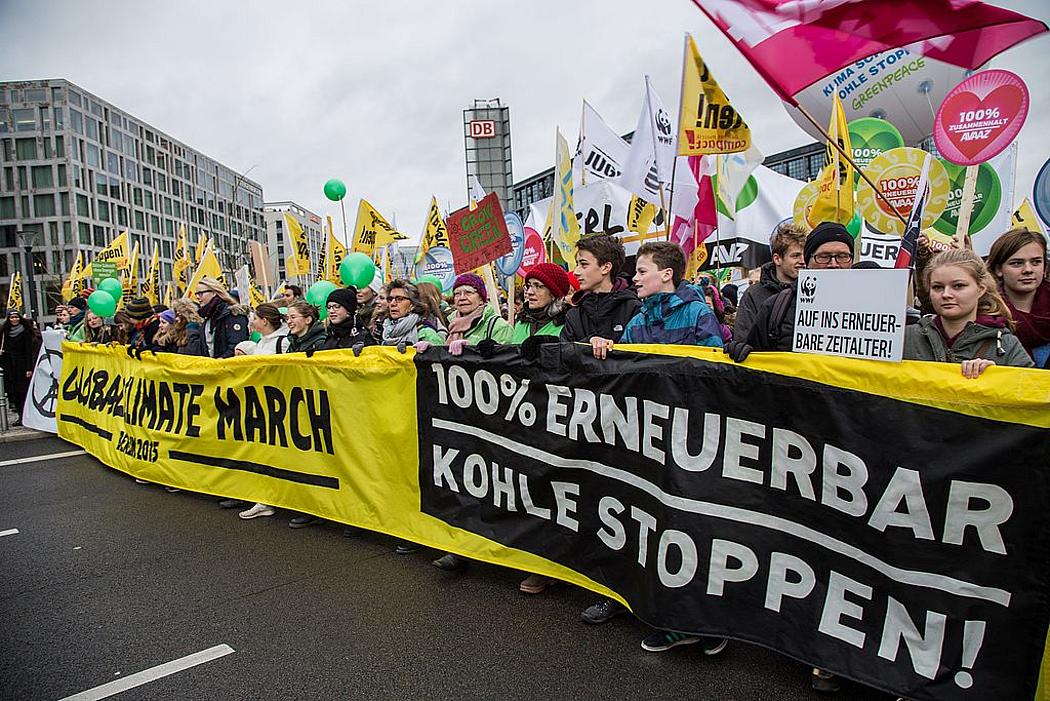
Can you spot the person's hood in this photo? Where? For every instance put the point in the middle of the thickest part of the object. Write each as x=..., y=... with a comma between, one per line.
x=768, y=278
x=283, y=331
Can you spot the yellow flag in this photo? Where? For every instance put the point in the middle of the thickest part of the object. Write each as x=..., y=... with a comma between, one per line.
x=707, y=122
x=73, y=285
x=336, y=254
x=278, y=295
x=640, y=215
x=129, y=273
x=151, y=285
x=1026, y=218
x=297, y=257
x=372, y=231
x=835, y=184
x=14, y=296
x=180, y=268
x=208, y=267
x=435, y=233
x=696, y=259
x=388, y=267
x=322, y=261
x=565, y=230
x=169, y=294
x=116, y=252
x=255, y=295
x=202, y=246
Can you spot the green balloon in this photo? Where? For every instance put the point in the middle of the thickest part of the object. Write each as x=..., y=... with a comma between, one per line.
x=318, y=293
x=283, y=311
x=335, y=190
x=102, y=302
x=113, y=287
x=855, y=225
x=433, y=280
x=357, y=270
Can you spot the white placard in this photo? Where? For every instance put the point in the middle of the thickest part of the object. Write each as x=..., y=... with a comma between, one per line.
x=852, y=313
x=42, y=397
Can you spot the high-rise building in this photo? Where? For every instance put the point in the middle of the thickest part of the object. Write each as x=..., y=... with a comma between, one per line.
x=77, y=170
x=486, y=131
x=277, y=240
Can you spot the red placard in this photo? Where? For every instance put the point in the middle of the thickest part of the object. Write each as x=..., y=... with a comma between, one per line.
x=534, y=251
x=479, y=236
x=980, y=117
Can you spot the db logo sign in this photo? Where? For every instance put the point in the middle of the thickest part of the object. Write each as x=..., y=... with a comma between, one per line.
x=482, y=129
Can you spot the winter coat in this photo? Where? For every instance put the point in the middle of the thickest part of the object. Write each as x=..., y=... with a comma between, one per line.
x=229, y=325
x=142, y=336
x=490, y=326
x=312, y=340
x=18, y=354
x=548, y=321
x=193, y=340
x=347, y=335
x=746, y=312
x=603, y=314
x=987, y=338
x=267, y=345
x=681, y=317
x=77, y=328
x=761, y=337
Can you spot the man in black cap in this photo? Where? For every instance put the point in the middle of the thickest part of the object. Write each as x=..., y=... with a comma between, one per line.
x=77, y=310
x=828, y=247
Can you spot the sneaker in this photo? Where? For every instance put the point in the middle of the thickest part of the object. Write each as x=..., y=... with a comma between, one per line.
x=257, y=510
x=535, y=584
x=824, y=681
x=303, y=520
x=172, y=490
x=451, y=563
x=141, y=481
x=602, y=611
x=405, y=548
x=663, y=640
x=713, y=646
x=232, y=503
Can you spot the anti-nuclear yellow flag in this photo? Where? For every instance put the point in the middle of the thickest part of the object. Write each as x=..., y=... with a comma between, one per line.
x=255, y=295
x=835, y=185
x=73, y=285
x=372, y=231
x=151, y=285
x=116, y=252
x=565, y=229
x=336, y=254
x=322, y=261
x=435, y=233
x=202, y=246
x=1026, y=218
x=278, y=295
x=129, y=273
x=14, y=296
x=169, y=293
x=180, y=268
x=297, y=258
x=208, y=267
x=640, y=215
x=707, y=123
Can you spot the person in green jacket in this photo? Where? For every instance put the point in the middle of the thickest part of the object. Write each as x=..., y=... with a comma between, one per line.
x=408, y=321
x=76, y=330
x=475, y=320
x=546, y=285
x=971, y=324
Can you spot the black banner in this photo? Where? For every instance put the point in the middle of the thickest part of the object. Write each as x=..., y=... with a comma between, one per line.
x=897, y=544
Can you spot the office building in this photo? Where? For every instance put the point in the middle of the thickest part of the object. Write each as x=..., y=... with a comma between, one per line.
x=486, y=131
x=277, y=240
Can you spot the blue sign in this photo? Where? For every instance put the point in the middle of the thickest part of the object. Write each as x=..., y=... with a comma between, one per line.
x=509, y=264
x=438, y=262
x=1041, y=193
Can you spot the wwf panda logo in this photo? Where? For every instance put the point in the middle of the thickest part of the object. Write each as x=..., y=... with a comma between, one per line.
x=663, y=123
x=808, y=287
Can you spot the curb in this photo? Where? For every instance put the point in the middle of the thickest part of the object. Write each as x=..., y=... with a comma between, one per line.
x=20, y=434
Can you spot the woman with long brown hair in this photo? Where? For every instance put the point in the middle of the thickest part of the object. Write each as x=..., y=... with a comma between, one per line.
x=1017, y=260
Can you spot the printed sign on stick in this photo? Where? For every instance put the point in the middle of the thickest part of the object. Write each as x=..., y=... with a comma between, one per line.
x=478, y=236
x=980, y=117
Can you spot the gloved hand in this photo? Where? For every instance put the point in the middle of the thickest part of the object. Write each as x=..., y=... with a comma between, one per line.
x=357, y=348
x=401, y=347
x=738, y=351
x=422, y=346
x=456, y=347
x=310, y=352
x=487, y=348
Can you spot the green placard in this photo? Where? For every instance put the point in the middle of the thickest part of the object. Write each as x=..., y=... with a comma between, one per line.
x=987, y=197
x=101, y=270
x=869, y=137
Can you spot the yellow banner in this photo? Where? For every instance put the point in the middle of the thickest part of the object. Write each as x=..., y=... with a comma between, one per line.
x=322, y=260
x=372, y=231
x=151, y=285
x=180, y=268
x=435, y=233
x=835, y=185
x=565, y=230
x=297, y=258
x=707, y=123
x=14, y=295
x=73, y=285
x=129, y=273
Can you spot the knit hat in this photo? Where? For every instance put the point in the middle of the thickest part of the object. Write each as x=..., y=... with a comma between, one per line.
x=168, y=316
x=826, y=232
x=472, y=280
x=345, y=297
x=139, y=308
x=78, y=303
x=553, y=277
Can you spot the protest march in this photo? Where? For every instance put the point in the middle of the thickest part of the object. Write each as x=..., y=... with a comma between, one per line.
x=745, y=409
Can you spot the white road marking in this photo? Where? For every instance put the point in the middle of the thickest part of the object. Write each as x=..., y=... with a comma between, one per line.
x=40, y=458
x=152, y=674
x=10, y=531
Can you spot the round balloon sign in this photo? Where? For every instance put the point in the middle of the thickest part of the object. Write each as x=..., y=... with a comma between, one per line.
x=533, y=252
x=980, y=117
x=509, y=264
x=804, y=202
x=870, y=137
x=438, y=262
x=897, y=173
x=1041, y=193
x=987, y=198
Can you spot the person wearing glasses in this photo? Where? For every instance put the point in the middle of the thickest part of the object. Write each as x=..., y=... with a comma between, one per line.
x=544, y=311
x=475, y=320
x=225, y=321
x=343, y=329
x=406, y=322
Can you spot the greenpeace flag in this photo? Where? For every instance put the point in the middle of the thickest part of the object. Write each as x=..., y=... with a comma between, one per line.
x=794, y=44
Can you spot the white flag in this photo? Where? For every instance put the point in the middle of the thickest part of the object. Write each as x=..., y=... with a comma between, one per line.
x=477, y=193
x=600, y=153
x=242, y=283
x=651, y=157
x=733, y=171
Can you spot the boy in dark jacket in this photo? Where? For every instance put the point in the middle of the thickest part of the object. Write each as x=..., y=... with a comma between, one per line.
x=605, y=302
x=343, y=328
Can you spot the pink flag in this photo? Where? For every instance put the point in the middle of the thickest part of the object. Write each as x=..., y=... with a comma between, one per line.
x=795, y=43
x=704, y=215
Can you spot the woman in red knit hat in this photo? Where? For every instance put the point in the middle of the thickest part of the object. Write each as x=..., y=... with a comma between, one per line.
x=546, y=285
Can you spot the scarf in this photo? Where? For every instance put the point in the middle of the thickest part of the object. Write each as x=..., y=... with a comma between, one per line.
x=347, y=328
x=397, y=330
x=15, y=331
x=1033, y=328
x=461, y=324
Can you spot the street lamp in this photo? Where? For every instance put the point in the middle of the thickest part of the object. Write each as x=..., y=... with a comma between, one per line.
x=29, y=239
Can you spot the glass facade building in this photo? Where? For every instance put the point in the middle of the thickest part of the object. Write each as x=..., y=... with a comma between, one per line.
x=277, y=237
x=78, y=170
x=486, y=131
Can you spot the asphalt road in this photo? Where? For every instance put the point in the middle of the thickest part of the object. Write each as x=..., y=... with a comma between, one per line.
x=107, y=578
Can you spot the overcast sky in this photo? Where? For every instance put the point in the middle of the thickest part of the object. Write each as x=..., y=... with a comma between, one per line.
x=373, y=92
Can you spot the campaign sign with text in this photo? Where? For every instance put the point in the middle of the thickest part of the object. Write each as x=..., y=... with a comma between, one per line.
x=478, y=236
x=438, y=261
x=509, y=264
x=851, y=313
x=980, y=117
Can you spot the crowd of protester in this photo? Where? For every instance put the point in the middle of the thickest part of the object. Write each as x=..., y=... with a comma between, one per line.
x=966, y=311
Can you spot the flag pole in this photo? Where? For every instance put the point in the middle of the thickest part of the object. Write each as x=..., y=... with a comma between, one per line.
x=849, y=159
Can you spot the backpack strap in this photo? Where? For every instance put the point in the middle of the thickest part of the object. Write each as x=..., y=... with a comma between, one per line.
x=780, y=307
